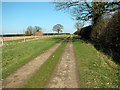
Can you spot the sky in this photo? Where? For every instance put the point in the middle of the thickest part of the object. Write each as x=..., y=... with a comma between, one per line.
x=17, y=16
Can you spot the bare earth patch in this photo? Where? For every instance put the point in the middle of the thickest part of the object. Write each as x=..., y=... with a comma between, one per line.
x=65, y=73
x=16, y=38
x=22, y=37
x=21, y=75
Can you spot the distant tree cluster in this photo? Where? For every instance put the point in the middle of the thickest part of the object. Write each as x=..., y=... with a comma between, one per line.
x=31, y=30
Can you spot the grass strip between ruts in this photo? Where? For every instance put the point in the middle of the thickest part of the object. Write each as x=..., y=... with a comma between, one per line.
x=40, y=78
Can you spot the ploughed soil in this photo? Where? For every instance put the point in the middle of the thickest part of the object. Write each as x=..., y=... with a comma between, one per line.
x=17, y=37
x=65, y=73
x=22, y=37
x=21, y=75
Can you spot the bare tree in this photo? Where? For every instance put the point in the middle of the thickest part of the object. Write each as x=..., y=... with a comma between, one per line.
x=58, y=28
x=78, y=25
x=37, y=29
x=29, y=30
x=85, y=11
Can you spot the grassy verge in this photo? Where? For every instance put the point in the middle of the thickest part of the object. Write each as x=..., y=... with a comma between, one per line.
x=95, y=69
x=40, y=78
x=14, y=56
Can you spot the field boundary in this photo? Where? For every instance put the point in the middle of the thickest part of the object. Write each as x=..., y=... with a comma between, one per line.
x=27, y=40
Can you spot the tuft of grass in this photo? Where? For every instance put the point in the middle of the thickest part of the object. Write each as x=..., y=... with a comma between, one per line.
x=14, y=56
x=95, y=69
x=40, y=78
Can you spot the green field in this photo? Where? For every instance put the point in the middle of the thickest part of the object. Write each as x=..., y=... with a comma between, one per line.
x=40, y=78
x=95, y=69
x=14, y=56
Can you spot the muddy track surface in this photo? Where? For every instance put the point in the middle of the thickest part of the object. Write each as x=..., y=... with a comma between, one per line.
x=65, y=73
x=21, y=75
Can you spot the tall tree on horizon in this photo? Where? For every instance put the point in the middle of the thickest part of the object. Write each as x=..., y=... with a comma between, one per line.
x=58, y=28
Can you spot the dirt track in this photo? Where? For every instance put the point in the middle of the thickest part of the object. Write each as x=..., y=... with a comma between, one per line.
x=21, y=75
x=65, y=74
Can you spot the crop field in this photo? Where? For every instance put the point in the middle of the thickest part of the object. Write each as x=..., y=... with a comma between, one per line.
x=22, y=37
x=17, y=37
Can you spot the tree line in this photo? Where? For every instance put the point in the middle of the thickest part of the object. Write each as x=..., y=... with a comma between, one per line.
x=31, y=30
